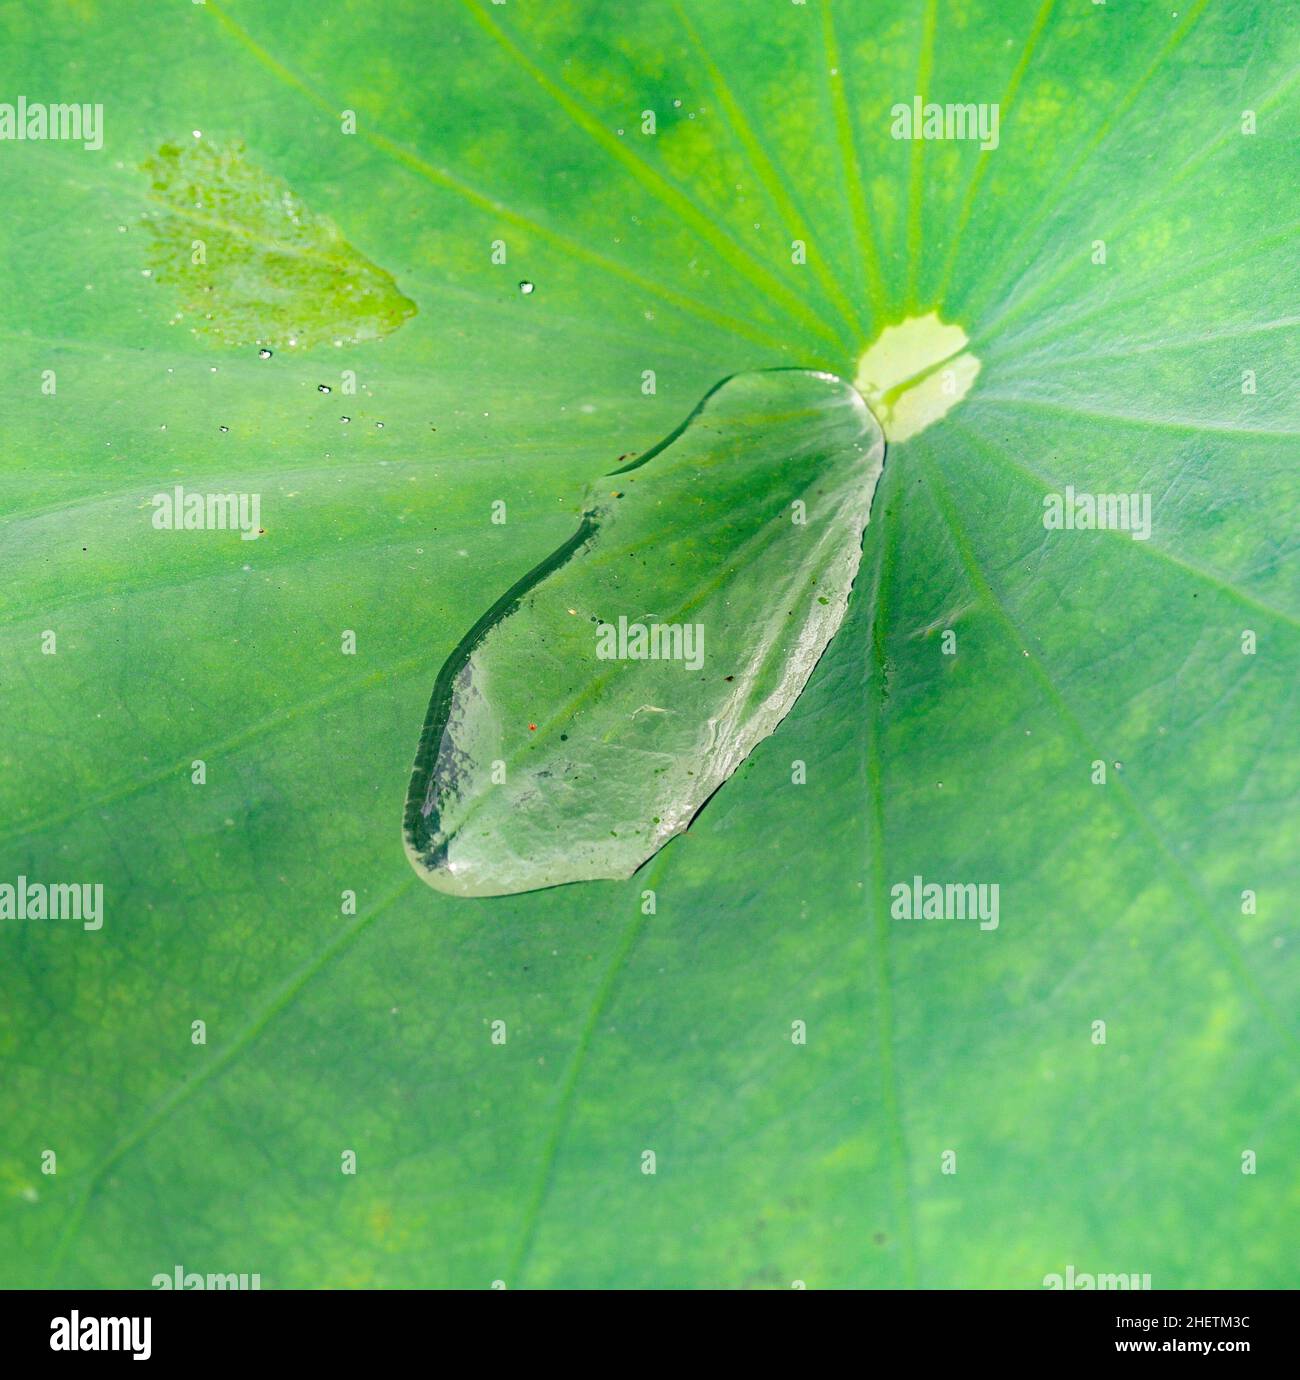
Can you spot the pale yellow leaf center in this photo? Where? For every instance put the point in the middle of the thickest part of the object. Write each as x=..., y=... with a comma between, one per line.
x=916, y=372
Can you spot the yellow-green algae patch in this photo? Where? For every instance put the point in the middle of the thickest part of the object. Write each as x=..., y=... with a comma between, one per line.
x=916, y=372
x=252, y=264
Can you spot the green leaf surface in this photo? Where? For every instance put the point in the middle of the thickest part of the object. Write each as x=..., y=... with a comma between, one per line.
x=1164, y=366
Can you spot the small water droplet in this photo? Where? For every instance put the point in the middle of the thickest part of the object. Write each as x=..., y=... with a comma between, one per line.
x=345, y=419
x=322, y=388
x=264, y=353
x=379, y=426
x=525, y=287
x=223, y=428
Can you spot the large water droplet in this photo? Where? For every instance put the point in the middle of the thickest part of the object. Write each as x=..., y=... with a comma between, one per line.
x=595, y=707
